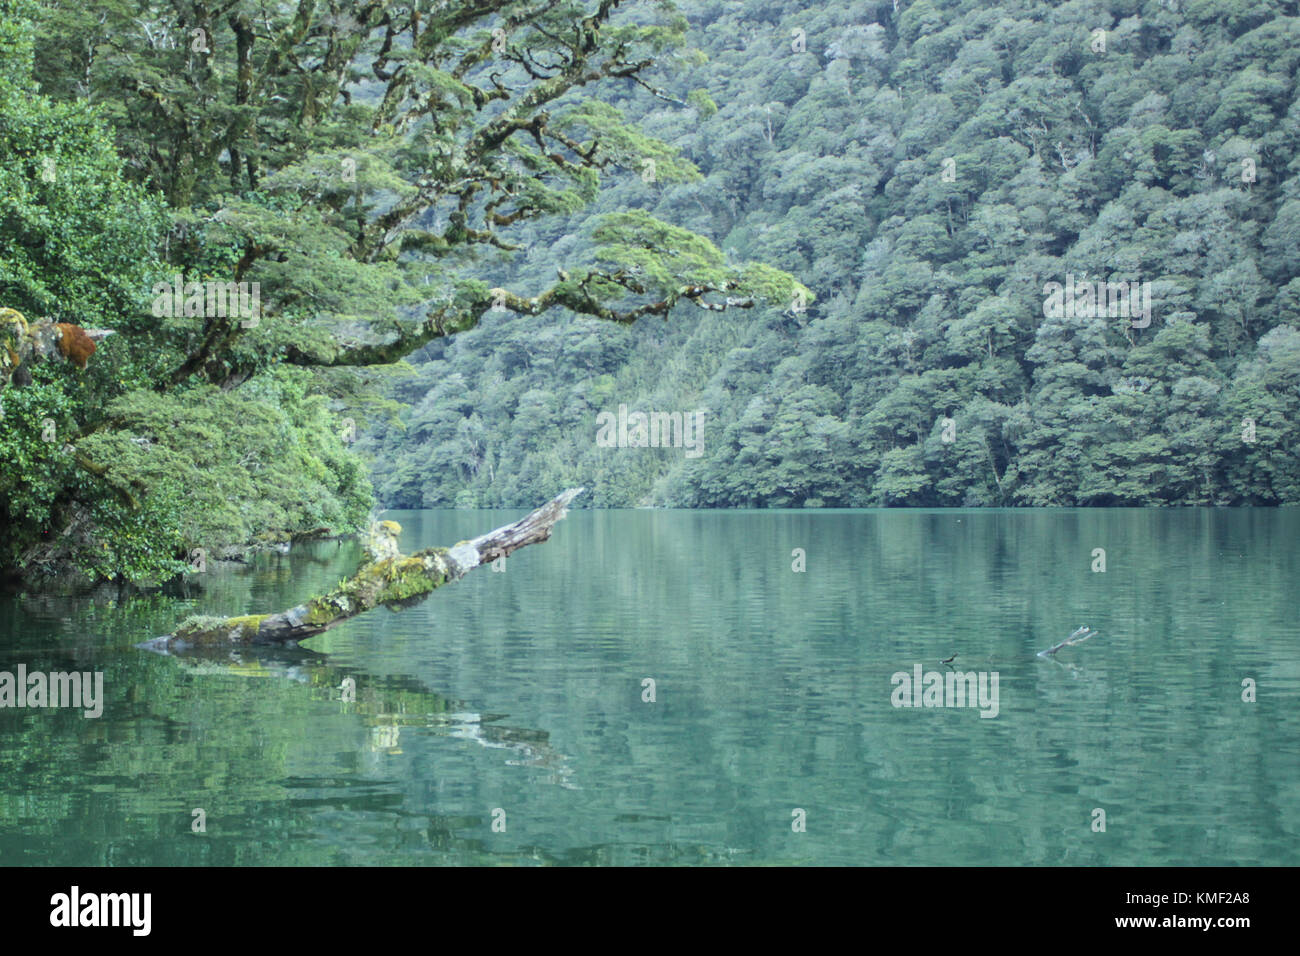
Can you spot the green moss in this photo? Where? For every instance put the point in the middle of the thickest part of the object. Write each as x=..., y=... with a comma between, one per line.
x=204, y=627
x=320, y=612
x=410, y=577
x=247, y=624
x=196, y=625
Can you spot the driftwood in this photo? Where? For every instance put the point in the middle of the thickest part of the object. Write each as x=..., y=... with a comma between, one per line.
x=395, y=581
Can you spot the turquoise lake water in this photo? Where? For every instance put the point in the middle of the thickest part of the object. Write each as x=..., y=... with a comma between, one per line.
x=519, y=699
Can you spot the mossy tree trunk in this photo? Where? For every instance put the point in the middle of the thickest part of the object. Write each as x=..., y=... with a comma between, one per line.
x=394, y=582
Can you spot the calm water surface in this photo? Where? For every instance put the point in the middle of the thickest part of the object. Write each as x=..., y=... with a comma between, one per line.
x=522, y=692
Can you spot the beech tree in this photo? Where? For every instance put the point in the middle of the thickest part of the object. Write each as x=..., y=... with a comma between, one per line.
x=362, y=165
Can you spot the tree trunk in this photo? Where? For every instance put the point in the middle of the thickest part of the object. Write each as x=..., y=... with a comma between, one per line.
x=394, y=582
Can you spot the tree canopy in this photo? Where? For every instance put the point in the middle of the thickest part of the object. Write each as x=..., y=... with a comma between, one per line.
x=354, y=170
x=926, y=168
x=453, y=232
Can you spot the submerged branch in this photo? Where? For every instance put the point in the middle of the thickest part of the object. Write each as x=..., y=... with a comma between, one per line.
x=396, y=581
x=1075, y=639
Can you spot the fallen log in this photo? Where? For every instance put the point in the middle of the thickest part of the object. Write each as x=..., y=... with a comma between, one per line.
x=394, y=581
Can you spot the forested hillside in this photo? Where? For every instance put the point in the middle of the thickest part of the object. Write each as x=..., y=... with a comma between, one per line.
x=926, y=168
x=694, y=253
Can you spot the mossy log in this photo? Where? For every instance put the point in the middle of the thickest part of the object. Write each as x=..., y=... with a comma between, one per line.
x=394, y=582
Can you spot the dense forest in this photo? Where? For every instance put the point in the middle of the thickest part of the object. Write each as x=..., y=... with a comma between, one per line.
x=926, y=168
x=869, y=250
x=224, y=224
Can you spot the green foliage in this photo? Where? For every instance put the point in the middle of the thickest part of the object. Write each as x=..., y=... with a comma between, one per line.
x=74, y=238
x=877, y=213
x=361, y=167
x=33, y=466
x=259, y=464
x=143, y=546
x=42, y=488
x=925, y=290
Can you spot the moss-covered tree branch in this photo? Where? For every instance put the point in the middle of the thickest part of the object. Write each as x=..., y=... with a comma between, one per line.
x=394, y=581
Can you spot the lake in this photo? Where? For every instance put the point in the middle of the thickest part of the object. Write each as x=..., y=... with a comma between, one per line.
x=508, y=719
